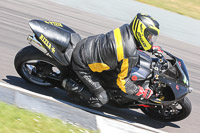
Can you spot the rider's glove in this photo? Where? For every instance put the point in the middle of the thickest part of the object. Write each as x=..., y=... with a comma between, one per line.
x=144, y=93
x=157, y=49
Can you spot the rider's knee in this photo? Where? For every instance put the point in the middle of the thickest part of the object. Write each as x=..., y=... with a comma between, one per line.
x=103, y=97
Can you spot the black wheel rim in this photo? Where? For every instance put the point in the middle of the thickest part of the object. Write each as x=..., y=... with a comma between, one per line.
x=168, y=112
x=31, y=70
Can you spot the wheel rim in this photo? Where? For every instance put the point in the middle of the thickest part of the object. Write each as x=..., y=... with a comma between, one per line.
x=168, y=112
x=36, y=70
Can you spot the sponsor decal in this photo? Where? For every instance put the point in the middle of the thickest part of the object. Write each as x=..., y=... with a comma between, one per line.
x=177, y=87
x=54, y=23
x=179, y=63
x=134, y=78
x=141, y=29
x=47, y=43
x=141, y=39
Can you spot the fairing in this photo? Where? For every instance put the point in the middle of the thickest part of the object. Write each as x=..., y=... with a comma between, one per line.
x=176, y=77
x=54, y=36
x=142, y=70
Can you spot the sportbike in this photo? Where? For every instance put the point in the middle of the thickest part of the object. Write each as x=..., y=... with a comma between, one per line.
x=47, y=62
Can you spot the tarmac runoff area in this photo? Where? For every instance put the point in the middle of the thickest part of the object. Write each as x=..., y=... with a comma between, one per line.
x=60, y=109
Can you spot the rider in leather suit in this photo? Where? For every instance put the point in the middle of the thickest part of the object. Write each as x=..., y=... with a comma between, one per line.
x=112, y=55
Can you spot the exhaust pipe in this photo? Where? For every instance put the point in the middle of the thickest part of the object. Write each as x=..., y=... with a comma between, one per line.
x=34, y=42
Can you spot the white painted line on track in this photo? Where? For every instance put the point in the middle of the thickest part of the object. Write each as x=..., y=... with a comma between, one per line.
x=108, y=125
x=26, y=91
x=105, y=122
x=112, y=126
x=48, y=97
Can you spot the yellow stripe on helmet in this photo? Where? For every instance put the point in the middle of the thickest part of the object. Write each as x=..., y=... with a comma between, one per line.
x=134, y=22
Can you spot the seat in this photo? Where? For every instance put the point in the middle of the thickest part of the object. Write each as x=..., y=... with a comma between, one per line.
x=58, y=36
x=75, y=38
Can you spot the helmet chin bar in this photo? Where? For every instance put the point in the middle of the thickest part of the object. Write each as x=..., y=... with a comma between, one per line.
x=139, y=47
x=150, y=50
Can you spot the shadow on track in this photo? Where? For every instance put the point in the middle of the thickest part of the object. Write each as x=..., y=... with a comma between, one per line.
x=128, y=115
x=48, y=91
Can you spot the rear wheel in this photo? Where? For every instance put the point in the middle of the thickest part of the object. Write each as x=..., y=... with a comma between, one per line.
x=174, y=112
x=33, y=66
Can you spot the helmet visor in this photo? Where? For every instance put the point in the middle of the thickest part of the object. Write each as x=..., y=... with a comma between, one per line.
x=150, y=37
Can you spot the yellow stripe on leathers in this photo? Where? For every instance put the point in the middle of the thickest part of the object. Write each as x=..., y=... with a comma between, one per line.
x=119, y=45
x=120, y=56
x=98, y=67
x=122, y=75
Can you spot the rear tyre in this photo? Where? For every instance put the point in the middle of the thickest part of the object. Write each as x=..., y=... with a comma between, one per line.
x=174, y=112
x=33, y=65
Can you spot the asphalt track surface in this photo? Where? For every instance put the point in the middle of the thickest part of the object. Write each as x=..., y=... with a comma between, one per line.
x=14, y=18
x=171, y=24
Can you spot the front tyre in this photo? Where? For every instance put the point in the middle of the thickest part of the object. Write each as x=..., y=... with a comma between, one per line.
x=174, y=112
x=33, y=66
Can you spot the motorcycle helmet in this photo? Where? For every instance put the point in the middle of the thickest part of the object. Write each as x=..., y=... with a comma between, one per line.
x=145, y=30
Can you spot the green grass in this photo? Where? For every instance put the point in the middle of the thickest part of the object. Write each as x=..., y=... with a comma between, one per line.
x=17, y=120
x=189, y=8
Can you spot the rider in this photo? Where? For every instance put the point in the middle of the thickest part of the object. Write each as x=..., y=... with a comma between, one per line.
x=112, y=55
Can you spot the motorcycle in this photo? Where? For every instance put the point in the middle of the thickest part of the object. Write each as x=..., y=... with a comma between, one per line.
x=47, y=61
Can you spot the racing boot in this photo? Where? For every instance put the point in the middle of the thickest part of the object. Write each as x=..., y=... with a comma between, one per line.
x=98, y=100
x=73, y=87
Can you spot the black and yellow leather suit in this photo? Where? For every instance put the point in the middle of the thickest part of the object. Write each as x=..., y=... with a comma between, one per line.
x=107, y=58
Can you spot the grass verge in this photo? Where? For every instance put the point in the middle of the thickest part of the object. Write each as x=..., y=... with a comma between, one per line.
x=17, y=120
x=189, y=8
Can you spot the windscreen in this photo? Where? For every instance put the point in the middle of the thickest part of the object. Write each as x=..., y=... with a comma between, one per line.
x=176, y=73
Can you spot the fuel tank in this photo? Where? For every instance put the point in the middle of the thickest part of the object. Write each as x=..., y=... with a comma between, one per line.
x=143, y=69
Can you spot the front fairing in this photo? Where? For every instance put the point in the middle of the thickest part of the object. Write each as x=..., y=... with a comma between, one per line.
x=176, y=77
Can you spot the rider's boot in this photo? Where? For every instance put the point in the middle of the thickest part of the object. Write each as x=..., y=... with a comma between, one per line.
x=72, y=86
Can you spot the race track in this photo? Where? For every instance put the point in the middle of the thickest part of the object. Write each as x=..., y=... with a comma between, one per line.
x=14, y=29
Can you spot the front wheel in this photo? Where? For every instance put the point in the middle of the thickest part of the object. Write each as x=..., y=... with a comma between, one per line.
x=33, y=66
x=174, y=112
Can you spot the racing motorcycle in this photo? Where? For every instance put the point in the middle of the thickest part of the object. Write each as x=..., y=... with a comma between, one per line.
x=47, y=61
